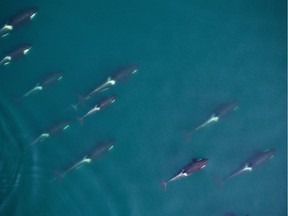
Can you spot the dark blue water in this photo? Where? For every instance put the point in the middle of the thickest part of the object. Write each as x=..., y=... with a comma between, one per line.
x=192, y=56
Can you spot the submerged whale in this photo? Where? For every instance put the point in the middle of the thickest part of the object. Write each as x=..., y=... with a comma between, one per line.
x=54, y=129
x=220, y=112
x=95, y=152
x=187, y=170
x=252, y=162
x=101, y=105
x=19, y=19
x=45, y=82
x=16, y=53
x=119, y=75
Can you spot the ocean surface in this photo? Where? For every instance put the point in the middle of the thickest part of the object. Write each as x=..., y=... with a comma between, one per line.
x=192, y=56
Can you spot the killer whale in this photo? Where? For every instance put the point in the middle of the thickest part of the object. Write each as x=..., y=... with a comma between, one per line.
x=19, y=19
x=187, y=170
x=99, y=106
x=221, y=111
x=119, y=75
x=20, y=51
x=44, y=83
x=94, y=153
x=252, y=162
x=51, y=131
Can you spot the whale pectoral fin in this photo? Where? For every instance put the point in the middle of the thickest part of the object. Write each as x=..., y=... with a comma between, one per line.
x=248, y=168
x=33, y=90
x=213, y=118
x=105, y=86
x=6, y=60
x=112, y=82
x=8, y=27
x=86, y=160
x=104, y=89
x=41, y=138
x=82, y=162
x=4, y=35
x=6, y=30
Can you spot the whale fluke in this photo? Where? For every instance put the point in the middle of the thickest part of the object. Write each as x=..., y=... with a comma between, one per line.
x=163, y=185
x=219, y=182
x=6, y=60
x=80, y=120
x=5, y=30
x=81, y=99
x=16, y=100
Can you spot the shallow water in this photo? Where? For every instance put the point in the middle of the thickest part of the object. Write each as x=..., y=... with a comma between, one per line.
x=192, y=56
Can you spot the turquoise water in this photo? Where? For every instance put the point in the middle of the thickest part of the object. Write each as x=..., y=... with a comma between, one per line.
x=192, y=56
